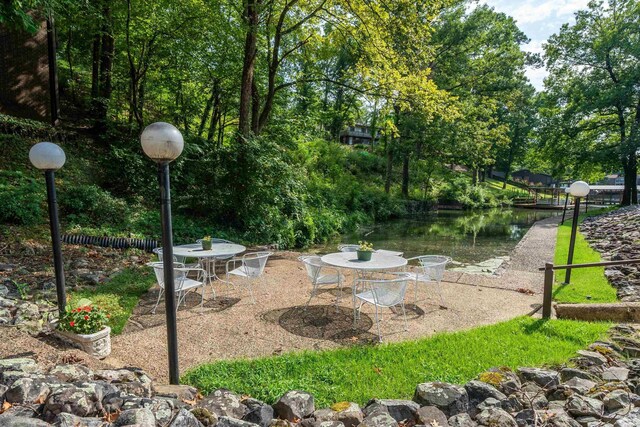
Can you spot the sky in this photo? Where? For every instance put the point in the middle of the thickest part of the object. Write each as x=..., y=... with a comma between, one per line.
x=538, y=19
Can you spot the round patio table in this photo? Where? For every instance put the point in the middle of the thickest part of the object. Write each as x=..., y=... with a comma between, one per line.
x=217, y=251
x=379, y=261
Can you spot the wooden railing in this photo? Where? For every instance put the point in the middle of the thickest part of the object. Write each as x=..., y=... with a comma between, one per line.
x=549, y=268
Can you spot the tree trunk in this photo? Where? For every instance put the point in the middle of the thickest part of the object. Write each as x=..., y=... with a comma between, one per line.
x=70, y=61
x=250, y=16
x=474, y=176
x=95, y=66
x=106, y=67
x=405, y=176
x=387, y=182
x=255, y=108
x=207, y=111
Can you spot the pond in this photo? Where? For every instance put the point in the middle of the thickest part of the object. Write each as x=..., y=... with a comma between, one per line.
x=468, y=237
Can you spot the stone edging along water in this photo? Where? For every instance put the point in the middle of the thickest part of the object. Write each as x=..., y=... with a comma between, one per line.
x=601, y=390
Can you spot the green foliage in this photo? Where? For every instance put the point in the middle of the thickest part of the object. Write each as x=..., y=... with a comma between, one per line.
x=21, y=199
x=358, y=373
x=588, y=285
x=91, y=205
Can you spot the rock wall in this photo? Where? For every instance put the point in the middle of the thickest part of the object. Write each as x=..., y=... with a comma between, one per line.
x=616, y=236
x=600, y=389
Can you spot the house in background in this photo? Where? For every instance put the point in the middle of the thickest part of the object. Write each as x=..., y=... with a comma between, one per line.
x=615, y=179
x=533, y=178
x=357, y=134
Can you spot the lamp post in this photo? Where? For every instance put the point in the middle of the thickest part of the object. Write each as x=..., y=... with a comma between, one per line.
x=163, y=143
x=578, y=190
x=49, y=157
x=566, y=200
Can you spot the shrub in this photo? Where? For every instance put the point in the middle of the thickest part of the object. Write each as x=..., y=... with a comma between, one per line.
x=91, y=205
x=21, y=198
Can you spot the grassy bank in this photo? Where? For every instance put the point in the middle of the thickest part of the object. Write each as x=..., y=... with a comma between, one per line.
x=587, y=284
x=119, y=295
x=393, y=370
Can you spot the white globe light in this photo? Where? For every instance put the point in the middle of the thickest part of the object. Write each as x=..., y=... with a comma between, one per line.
x=161, y=142
x=47, y=156
x=566, y=190
x=579, y=189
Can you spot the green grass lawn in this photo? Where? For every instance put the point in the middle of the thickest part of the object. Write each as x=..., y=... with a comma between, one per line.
x=119, y=295
x=393, y=370
x=587, y=284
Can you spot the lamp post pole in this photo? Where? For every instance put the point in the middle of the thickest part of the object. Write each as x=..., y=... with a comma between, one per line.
x=578, y=190
x=58, y=265
x=163, y=143
x=49, y=157
x=564, y=211
x=167, y=259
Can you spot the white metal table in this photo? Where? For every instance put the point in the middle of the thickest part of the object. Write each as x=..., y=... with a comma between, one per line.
x=379, y=261
x=218, y=250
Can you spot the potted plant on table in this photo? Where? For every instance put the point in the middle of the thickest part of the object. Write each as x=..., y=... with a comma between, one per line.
x=206, y=243
x=364, y=251
x=85, y=327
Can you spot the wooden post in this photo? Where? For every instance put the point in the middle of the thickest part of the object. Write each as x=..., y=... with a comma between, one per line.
x=548, y=290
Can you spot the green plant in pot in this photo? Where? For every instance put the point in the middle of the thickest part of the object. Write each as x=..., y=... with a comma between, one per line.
x=364, y=251
x=206, y=243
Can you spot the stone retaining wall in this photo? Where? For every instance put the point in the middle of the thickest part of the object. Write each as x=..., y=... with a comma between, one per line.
x=600, y=389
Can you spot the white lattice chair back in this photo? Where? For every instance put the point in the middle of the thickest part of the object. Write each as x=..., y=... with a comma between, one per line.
x=254, y=263
x=178, y=275
x=434, y=266
x=348, y=248
x=312, y=264
x=388, y=292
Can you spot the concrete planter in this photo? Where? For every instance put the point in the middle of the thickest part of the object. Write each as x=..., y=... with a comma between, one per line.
x=97, y=344
x=364, y=255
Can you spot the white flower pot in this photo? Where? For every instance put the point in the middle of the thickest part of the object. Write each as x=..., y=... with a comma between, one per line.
x=97, y=344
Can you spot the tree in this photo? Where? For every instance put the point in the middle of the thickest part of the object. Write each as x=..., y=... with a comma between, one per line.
x=594, y=68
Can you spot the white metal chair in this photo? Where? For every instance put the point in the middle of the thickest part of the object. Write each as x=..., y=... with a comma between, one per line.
x=348, y=248
x=182, y=283
x=432, y=268
x=383, y=293
x=251, y=268
x=314, y=266
x=158, y=252
x=387, y=252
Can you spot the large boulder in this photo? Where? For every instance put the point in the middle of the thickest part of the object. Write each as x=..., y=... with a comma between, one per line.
x=258, y=412
x=141, y=417
x=28, y=390
x=72, y=400
x=295, y=405
x=400, y=410
x=185, y=418
x=495, y=417
x=233, y=422
x=580, y=385
x=462, y=420
x=71, y=373
x=348, y=413
x=224, y=403
x=479, y=391
x=450, y=399
x=378, y=419
x=70, y=420
x=430, y=416
x=11, y=421
x=543, y=377
x=584, y=406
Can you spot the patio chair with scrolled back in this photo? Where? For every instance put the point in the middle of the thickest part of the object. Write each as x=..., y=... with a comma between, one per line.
x=317, y=272
x=209, y=264
x=431, y=270
x=251, y=268
x=348, y=248
x=381, y=293
x=182, y=283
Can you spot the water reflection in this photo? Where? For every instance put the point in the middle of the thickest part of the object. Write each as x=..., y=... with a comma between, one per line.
x=466, y=236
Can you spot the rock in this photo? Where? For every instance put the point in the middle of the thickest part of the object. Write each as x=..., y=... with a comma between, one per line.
x=205, y=416
x=71, y=373
x=525, y=418
x=479, y=391
x=450, y=399
x=185, y=418
x=560, y=392
x=69, y=399
x=617, y=399
x=462, y=420
x=19, y=364
x=580, y=385
x=489, y=403
x=512, y=404
x=568, y=373
x=11, y=421
x=348, y=413
x=176, y=391
x=400, y=410
x=233, y=422
x=378, y=419
x=258, y=412
x=27, y=390
x=504, y=379
x=495, y=417
x=295, y=405
x=562, y=420
x=6, y=267
x=430, y=415
x=615, y=373
x=584, y=406
x=222, y=402
x=532, y=400
x=593, y=357
x=141, y=417
x=632, y=419
x=325, y=414
x=70, y=420
x=542, y=377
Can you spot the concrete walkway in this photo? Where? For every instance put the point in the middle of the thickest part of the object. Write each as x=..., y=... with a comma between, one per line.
x=231, y=327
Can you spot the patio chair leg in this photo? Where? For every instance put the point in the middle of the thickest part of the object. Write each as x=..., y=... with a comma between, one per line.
x=404, y=315
x=158, y=301
x=313, y=293
x=440, y=293
x=378, y=324
x=415, y=298
x=250, y=287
